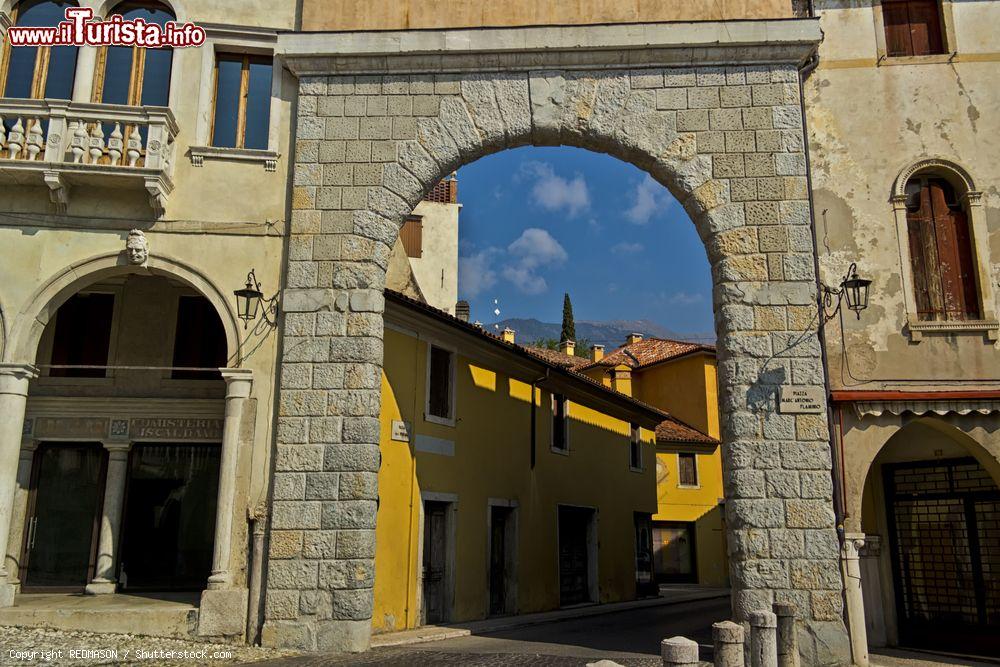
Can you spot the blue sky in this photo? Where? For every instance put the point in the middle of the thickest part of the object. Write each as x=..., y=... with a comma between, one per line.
x=537, y=222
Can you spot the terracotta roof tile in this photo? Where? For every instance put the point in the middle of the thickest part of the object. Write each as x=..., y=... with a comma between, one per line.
x=649, y=351
x=674, y=430
x=557, y=357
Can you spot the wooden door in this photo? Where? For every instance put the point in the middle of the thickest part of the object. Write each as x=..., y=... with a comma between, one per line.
x=574, y=557
x=499, y=517
x=435, y=559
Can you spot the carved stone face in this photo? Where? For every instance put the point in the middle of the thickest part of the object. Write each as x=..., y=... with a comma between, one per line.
x=136, y=248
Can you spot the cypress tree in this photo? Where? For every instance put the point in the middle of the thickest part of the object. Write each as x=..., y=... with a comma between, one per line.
x=568, y=325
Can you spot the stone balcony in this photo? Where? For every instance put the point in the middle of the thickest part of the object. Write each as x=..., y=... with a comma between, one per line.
x=67, y=145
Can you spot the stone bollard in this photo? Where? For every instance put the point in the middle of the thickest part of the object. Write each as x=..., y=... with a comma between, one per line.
x=679, y=652
x=763, y=639
x=728, y=639
x=788, y=641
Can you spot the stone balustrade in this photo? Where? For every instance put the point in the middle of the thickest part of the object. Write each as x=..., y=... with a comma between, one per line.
x=65, y=144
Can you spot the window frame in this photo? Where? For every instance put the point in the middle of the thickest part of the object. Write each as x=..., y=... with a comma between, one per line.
x=138, y=66
x=635, y=444
x=554, y=399
x=452, y=382
x=697, y=473
x=971, y=198
x=40, y=75
x=948, y=39
x=241, y=111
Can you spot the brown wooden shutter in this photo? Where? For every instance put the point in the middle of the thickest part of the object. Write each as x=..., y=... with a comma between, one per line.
x=925, y=27
x=412, y=233
x=923, y=257
x=895, y=17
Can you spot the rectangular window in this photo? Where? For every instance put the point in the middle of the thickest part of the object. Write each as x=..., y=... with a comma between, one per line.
x=912, y=27
x=83, y=335
x=687, y=469
x=635, y=449
x=411, y=234
x=560, y=423
x=199, y=340
x=242, y=112
x=440, y=380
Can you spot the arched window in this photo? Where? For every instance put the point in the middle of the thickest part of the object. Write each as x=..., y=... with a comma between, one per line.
x=39, y=71
x=136, y=76
x=941, y=250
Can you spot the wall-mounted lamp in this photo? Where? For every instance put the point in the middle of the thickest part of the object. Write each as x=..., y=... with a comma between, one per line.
x=852, y=289
x=249, y=299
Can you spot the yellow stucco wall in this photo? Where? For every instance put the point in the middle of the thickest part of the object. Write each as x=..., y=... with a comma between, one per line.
x=492, y=461
x=403, y=14
x=687, y=388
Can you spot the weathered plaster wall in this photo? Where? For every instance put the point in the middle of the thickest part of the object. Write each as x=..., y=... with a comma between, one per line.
x=866, y=123
x=409, y=14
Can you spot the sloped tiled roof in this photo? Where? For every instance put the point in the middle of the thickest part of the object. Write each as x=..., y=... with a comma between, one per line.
x=649, y=351
x=557, y=357
x=674, y=430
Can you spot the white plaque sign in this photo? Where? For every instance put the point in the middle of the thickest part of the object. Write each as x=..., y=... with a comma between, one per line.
x=400, y=431
x=801, y=401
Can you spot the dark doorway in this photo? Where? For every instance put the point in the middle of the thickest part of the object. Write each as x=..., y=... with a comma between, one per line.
x=502, y=546
x=63, y=516
x=674, y=552
x=944, y=528
x=435, y=561
x=645, y=585
x=575, y=545
x=169, y=527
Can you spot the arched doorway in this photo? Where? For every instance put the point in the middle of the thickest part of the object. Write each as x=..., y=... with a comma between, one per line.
x=930, y=513
x=736, y=166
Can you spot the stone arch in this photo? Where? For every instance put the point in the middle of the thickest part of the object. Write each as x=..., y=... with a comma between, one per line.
x=103, y=8
x=381, y=122
x=953, y=172
x=27, y=328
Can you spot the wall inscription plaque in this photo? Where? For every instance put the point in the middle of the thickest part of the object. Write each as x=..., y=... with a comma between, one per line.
x=175, y=428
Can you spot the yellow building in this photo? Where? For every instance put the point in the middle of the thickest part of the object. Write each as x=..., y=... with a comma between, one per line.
x=680, y=378
x=491, y=503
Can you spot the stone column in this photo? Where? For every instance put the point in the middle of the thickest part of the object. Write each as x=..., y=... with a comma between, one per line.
x=679, y=652
x=763, y=639
x=104, y=581
x=14, y=379
x=238, y=384
x=788, y=642
x=83, y=81
x=19, y=512
x=728, y=640
x=853, y=597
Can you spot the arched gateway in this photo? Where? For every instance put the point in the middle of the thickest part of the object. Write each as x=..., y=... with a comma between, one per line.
x=710, y=110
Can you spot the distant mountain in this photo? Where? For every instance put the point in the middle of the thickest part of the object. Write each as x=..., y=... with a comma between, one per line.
x=611, y=334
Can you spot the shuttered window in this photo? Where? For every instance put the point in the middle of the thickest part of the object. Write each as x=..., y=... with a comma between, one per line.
x=941, y=256
x=687, y=469
x=560, y=423
x=440, y=391
x=635, y=449
x=912, y=27
x=411, y=234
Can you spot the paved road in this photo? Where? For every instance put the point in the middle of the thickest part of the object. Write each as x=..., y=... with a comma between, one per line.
x=630, y=638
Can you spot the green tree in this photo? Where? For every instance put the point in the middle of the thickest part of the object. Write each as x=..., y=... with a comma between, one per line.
x=568, y=325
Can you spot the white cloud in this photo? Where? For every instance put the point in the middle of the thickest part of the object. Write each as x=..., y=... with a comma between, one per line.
x=683, y=298
x=624, y=248
x=648, y=199
x=533, y=249
x=476, y=273
x=553, y=192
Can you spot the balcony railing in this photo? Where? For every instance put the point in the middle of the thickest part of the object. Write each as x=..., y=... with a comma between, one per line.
x=66, y=144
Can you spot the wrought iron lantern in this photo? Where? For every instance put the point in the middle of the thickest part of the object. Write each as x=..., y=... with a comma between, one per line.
x=249, y=300
x=852, y=289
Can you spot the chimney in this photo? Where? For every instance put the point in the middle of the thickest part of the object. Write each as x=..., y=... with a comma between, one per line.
x=633, y=338
x=621, y=379
x=568, y=347
x=596, y=352
x=462, y=310
x=508, y=335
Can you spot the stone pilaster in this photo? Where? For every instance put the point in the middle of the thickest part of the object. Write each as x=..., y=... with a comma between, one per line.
x=14, y=379
x=104, y=581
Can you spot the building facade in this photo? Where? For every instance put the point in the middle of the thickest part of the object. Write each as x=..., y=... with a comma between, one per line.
x=901, y=116
x=139, y=188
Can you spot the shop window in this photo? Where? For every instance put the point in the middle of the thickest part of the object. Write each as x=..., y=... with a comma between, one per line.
x=941, y=251
x=635, y=449
x=242, y=112
x=412, y=236
x=560, y=423
x=38, y=72
x=133, y=75
x=199, y=340
x=687, y=469
x=83, y=336
x=440, y=385
x=912, y=27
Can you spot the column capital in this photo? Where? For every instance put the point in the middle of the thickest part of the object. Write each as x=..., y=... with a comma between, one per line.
x=28, y=447
x=238, y=381
x=853, y=542
x=116, y=446
x=14, y=378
